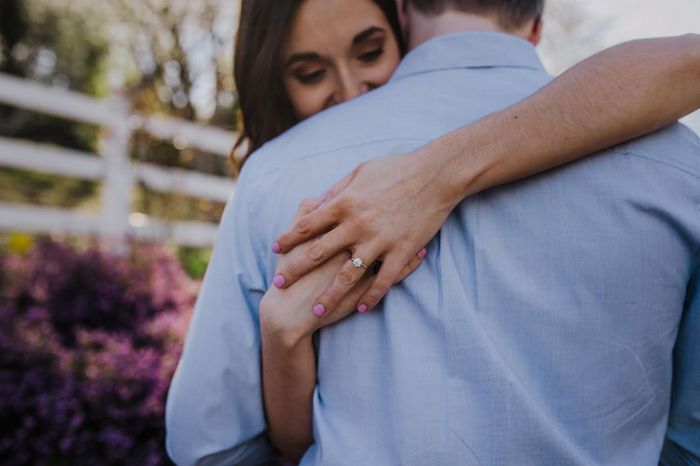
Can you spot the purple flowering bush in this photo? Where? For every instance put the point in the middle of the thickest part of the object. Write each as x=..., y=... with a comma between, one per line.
x=88, y=344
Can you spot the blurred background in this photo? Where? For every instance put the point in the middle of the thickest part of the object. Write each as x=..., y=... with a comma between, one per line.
x=116, y=123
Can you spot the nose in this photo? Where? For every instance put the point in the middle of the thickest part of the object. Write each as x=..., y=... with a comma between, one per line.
x=349, y=86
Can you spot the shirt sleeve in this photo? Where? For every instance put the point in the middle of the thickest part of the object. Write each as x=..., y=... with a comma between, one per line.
x=682, y=445
x=214, y=412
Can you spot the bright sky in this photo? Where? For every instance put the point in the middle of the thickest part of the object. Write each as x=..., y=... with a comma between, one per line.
x=622, y=20
x=644, y=18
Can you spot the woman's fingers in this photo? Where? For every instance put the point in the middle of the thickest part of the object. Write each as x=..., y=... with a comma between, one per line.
x=307, y=257
x=347, y=305
x=346, y=283
x=392, y=271
x=387, y=276
x=412, y=265
x=306, y=227
x=348, y=276
x=305, y=207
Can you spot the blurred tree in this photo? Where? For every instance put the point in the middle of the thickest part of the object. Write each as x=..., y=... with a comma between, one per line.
x=42, y=43
x=45, y=44
x=13, y=25
x=170, y=57
x=180, y=55
x=174, y=57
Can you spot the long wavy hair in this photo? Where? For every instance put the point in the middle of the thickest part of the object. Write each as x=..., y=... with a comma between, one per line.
x=265, y=108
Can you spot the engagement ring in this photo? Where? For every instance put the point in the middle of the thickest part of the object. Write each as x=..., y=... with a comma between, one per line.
x=357, y=262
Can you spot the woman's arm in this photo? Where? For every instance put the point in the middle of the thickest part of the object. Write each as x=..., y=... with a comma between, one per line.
x=288, y=357
x=621, y=93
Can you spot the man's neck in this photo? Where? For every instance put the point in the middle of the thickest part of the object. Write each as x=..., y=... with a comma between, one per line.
x=424, y=28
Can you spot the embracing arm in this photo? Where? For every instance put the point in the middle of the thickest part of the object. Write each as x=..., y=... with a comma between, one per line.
x=618, y=94
x=288, y=356
x=289, y=378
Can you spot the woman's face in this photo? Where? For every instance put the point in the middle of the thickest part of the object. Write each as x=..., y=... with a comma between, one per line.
x=336, y=50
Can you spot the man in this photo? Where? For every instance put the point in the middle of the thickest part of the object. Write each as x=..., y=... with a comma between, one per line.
x=539, y=330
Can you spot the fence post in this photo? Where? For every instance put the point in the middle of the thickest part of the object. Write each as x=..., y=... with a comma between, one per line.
x=119, y=179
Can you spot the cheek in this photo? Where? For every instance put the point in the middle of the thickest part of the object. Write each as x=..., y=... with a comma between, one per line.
x=307, y=100
x=380, y=72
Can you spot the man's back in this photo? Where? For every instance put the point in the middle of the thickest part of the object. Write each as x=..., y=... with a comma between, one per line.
x=541, y=326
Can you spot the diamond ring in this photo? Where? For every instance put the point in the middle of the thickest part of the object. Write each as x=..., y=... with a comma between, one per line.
x=357, y=262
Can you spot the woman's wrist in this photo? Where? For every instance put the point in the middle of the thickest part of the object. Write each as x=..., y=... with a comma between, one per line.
x=286, y=330
x=457, y=172
x=289, y=377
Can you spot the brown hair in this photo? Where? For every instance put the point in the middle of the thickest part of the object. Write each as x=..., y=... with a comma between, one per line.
x=511, y=14
x=265, y=108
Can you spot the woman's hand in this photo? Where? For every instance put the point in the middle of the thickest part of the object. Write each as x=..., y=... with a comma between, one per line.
x=285, y=313
x=386, y=209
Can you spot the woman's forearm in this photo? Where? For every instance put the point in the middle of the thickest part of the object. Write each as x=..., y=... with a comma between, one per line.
x=289, y=378
x=288, y=356
x=616, y=95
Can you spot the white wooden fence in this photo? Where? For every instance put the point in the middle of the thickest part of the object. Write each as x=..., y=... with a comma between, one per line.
x=116, y=222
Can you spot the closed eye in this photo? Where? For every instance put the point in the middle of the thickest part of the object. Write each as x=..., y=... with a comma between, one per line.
x=372, y=55
x=310, y=78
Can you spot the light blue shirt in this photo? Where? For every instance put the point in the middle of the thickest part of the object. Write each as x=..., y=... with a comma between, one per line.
x=540, y=330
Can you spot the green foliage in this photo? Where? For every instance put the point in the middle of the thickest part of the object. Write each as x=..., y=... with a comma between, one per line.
x=42, y=189
x=194, y=260
x=47, y=41
x=176, y=206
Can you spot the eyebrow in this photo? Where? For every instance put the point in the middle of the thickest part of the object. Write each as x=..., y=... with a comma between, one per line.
x=306, y=56
x=313, y=56
x=362, y=36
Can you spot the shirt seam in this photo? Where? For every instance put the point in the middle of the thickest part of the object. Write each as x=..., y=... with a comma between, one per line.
x=679, y=167
x=465, y=67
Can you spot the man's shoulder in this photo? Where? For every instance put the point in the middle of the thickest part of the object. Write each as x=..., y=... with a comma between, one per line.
x=675, y=146
x=357, y=126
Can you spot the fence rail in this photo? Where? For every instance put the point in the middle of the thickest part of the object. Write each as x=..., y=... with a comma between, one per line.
x=116, y=222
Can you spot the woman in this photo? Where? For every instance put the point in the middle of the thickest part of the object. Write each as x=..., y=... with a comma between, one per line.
x=291, y=64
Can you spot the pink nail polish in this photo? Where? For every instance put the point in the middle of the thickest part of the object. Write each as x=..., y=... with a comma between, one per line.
x=362, y=308
x=276, y=247
x=279, y=281
x=319, y=310
x=422, y=253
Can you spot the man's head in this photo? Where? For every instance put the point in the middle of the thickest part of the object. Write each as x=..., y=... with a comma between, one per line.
x=422, y=19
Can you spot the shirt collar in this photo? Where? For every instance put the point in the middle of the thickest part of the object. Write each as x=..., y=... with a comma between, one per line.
x=482, y=49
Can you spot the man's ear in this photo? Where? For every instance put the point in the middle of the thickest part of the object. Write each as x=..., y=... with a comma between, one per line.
x=401, y=6
x=535, y=35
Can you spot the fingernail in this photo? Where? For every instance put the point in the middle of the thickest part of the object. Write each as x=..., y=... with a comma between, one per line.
x=279, y=281
x=276, y=247
x=362, y=308
x=422, y=253
x=319, y=310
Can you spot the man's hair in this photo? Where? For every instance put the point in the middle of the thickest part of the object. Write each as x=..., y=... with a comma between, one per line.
x=510, y=14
